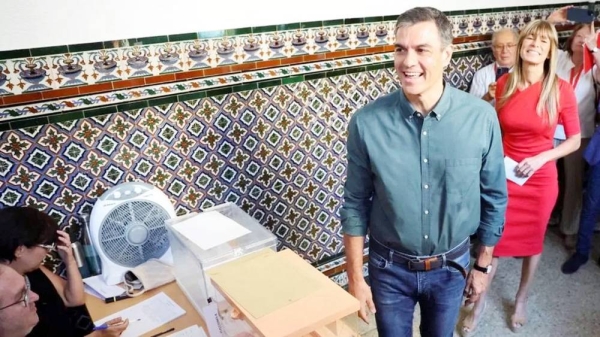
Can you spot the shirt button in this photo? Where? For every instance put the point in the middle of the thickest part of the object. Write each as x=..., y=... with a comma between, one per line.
x=425, y=160
x=424, y=133
x=426, y=237
x=426, y=186
x=426, y=212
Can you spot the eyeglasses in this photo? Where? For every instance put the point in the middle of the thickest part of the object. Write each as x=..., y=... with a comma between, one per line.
x=500, y=47
x=51, y=246
x=25, y=298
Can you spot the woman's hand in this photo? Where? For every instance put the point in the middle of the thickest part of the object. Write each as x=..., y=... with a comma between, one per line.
x=64, y=248
x=591, y=41
x=116, y=326
x=528, y=166
x=559, y=15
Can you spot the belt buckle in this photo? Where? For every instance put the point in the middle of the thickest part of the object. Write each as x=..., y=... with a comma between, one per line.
x=426, y=263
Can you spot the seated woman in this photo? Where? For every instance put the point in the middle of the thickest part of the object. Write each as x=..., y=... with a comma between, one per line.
x=27, y=236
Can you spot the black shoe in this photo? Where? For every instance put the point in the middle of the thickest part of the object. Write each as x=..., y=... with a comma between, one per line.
x=573, y=263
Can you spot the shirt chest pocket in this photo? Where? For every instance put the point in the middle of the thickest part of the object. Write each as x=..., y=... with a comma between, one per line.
x=461, y=175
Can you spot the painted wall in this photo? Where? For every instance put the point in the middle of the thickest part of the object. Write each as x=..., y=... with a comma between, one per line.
x=27, y=24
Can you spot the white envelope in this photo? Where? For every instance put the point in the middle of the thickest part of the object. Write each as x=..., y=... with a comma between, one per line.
x=510, y=167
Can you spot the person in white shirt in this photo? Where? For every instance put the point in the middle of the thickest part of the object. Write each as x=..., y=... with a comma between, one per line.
x=504, y=48
x=570, y=67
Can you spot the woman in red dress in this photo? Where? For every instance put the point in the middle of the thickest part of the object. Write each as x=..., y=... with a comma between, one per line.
x=530, y=101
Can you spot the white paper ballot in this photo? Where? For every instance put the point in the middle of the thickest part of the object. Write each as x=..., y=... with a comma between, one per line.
x=100, y=288
x=510, y=166
x=210, y=229
x=147, y=315
x=193, y=331
x=559, y=133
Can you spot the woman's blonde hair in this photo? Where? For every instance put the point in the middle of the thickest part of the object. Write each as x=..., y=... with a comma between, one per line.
x=550, y=95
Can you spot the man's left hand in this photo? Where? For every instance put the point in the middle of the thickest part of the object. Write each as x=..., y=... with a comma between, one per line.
x=477, y=283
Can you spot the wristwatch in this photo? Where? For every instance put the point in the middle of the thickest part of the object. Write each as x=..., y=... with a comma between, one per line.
x=485, y=270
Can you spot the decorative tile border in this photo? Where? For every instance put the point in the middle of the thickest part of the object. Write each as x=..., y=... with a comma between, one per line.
x=63, y=71
x=145, y=93
x=122, y=100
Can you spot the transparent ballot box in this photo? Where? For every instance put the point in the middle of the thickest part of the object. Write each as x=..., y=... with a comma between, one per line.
x=201, y=241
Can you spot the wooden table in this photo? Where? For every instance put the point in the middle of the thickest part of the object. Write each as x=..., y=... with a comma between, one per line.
x=98, y=309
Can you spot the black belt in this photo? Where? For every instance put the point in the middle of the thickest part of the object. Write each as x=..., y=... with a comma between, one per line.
x=423, y=263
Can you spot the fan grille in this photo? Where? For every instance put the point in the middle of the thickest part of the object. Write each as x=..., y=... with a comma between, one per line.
x=134, y=232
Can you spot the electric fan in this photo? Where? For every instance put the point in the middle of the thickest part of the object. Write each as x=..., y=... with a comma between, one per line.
x=127, y=227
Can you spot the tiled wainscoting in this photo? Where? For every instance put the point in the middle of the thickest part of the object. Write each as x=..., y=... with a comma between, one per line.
x=255, y=116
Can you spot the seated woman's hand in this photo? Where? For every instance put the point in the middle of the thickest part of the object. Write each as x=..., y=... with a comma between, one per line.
x=64, y=248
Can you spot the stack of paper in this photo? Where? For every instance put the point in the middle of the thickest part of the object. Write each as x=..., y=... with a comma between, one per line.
x=210, y=229
x=95, y=286
x=193, y=331
x=147, y=315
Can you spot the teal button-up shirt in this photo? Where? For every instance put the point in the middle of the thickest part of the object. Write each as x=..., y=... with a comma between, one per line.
x=422, y=185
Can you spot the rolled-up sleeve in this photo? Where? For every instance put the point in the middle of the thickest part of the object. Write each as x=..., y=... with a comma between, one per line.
x=358, y=188
x=494, y=195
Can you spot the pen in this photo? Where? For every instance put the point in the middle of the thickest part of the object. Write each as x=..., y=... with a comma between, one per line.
x=162, y=333
x=105, y=326
x=115, y=298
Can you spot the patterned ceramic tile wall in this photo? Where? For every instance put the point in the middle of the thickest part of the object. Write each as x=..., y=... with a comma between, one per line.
x=275, y=149
x=278, y=152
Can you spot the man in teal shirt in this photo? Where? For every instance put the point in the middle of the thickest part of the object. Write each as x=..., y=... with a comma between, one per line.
x=425, y=171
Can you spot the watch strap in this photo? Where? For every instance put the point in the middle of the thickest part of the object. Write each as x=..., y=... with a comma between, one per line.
x=484, y=270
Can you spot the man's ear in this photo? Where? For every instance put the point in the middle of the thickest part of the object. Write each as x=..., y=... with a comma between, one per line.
x=447, y=55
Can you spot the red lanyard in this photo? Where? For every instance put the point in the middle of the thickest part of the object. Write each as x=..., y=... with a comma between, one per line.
x=575, y=77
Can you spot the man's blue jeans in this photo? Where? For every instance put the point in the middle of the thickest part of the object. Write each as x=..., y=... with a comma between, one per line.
x=396, y=290
x=590, y=211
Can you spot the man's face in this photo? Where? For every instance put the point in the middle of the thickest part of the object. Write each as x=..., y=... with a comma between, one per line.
x=505, y=49
x=17, y=316
x=419, y=57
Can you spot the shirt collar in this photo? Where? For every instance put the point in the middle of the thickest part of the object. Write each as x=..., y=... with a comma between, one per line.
x=439, y=110
x=499, y=66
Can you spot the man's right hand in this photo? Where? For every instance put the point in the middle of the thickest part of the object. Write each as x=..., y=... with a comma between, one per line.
x=361, y=290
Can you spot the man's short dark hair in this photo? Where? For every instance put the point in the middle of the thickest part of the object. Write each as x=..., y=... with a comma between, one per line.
x=24, y=226
x=424, y=14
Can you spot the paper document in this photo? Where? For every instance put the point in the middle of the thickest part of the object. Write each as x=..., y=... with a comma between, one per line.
x=559, y=133
x=98, y=286
x=510, y=166
x=147, y=315
x=210, y=229
x=193, y=331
